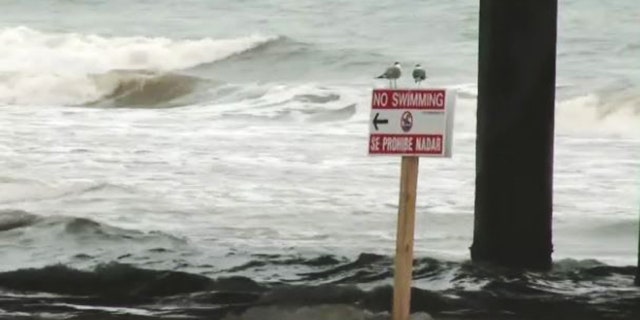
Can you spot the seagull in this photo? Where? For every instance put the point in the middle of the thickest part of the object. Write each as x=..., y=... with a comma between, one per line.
x=419, y=74
x=392, y=73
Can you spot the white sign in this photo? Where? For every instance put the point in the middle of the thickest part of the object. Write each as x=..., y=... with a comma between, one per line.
x=412, y=122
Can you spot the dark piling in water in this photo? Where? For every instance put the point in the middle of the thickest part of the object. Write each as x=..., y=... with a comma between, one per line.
x=638, y=267
x=515, y=133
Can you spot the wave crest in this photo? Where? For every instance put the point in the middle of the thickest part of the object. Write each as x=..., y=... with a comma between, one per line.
x=14, y=219
x=38, y=68
x=122, y=88
x=614, y=111
x=78, y=227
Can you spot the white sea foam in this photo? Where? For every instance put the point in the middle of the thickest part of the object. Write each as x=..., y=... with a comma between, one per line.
x=59, y=68
x=618, y=113
x=613, y=113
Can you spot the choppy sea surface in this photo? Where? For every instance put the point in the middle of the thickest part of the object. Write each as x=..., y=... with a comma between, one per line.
x=208, y=160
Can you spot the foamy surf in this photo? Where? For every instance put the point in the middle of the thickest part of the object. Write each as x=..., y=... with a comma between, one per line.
x=40, y=68
x=295, y=102
x=254, y=197
x=616, y=113
x=610, y=113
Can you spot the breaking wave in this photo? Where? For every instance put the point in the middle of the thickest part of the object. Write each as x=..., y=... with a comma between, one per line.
x=610, y=111
x=124, y=88
x=614, y=111
x=39, y=68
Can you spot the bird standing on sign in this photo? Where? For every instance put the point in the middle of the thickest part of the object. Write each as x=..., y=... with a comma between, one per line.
x=419, y=74
x=392, y=73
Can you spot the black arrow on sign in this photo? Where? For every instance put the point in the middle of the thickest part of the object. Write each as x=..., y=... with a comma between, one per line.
x=377, y=121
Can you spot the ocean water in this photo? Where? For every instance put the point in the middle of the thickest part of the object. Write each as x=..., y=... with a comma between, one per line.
x=209, y=158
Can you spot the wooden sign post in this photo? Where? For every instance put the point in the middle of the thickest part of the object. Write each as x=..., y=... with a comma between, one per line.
x=411, y=123
x=404, y=238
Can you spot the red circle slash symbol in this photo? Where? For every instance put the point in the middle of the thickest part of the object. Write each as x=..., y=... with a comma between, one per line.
x=406, y=121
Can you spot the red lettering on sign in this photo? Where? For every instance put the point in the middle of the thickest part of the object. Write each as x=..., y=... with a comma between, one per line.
x=409, y=99
x=425, y=144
